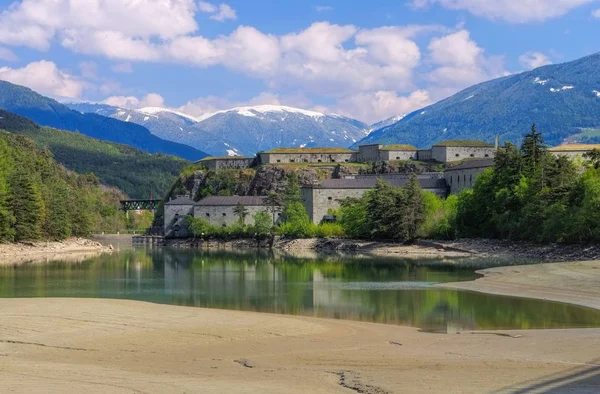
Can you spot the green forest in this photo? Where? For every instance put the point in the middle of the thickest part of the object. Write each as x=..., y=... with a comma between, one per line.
x=40, y=199
x=138, y=174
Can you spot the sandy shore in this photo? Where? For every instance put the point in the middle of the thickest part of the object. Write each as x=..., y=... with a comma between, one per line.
x=574, y=283
x=73, y=249
x=100, y=346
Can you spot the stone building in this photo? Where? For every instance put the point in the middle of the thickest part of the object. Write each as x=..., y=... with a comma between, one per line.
x=220, y=210
x=226, y=162
x=449, y=151
x=378, y=152
x=175, y=213
x=464, y=175
x=320, y=199
x=573, y=151
x=308, y=155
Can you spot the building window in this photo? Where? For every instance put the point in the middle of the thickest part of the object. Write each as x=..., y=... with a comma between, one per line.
x=472, y=155
x=486, y=155
x=465, y=178
x=457, y=155
x=471, y=178
x=207, y=214
x=305, y=160
x=224, y=214
x=397, y=158
x=292, y=160
x=224, y=225
x=278, y=161
x=330, y=198
x=450, y=179
x=319, y=161
x=333, y=160
x=346, y=160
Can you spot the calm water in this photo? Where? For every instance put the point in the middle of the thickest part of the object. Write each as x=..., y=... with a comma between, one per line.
x=378, y=290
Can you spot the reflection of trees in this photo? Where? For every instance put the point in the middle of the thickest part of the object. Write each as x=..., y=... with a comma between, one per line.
x=332, y=286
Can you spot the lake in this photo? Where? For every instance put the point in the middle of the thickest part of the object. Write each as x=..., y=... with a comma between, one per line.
x=390, y=291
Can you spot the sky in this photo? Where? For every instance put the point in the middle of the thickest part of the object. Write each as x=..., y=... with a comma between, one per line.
x=368, y=60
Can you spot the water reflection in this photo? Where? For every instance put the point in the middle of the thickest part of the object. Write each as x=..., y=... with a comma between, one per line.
x=377, y=290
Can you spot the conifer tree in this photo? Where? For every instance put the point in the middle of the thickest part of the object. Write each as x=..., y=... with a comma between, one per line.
x=26, y=204
x=413, y=211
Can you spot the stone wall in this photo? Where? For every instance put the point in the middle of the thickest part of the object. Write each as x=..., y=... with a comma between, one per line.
x=319, y=201
x=175, y=220
x=227, y=163
x=275, y=158
x=446, y=154
x=369, y=153
x=424, y=155
x=405, y=155
x=459, y=180
x=224, y=215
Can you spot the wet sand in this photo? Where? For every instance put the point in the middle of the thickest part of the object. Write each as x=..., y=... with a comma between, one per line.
x=100, y=346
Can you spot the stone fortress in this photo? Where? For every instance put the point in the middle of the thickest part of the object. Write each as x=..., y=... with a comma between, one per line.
x=473, y=157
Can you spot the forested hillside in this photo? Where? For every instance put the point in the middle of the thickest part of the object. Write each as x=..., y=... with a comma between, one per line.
x=138, y=174
x=40, y=199
x=48, y=112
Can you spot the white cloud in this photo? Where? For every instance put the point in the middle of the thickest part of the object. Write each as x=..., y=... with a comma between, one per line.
x=123, y=68
x=35, y=23
x=515, y=11
x=323, y=8
x=531, y=60
x=7, y=55
x=375, y=106
x=459, y=63
x=132, y=102
x=220, y=13
x=46, y=78
x=596, y=13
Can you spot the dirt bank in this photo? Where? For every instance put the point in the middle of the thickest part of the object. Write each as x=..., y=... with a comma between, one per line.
x=71, y=249
x=575, y=283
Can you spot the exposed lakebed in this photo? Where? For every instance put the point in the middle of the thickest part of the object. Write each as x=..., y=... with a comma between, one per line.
x=391, y=291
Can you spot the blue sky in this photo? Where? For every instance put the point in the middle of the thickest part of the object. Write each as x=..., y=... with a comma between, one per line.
x=365, y=59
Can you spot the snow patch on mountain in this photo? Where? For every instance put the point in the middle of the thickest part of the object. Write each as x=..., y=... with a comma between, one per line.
x=596, y=92
x=540, y=81
x=568, y=87
x=265, y=109
x=158, y=110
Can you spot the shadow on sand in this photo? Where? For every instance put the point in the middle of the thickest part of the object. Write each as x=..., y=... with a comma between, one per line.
x=581, y=380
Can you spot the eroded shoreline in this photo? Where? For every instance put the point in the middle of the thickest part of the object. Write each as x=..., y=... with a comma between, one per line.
x=72, y=249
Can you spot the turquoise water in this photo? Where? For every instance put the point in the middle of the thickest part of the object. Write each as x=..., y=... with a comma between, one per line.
x=367, y=289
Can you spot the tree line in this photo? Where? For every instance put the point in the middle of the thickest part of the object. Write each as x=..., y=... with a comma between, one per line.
x=40, y=199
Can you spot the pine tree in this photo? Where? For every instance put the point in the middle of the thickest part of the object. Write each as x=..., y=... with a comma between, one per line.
x=26, y=204
x=273, y=201
x=413, y=211
x=533, y=149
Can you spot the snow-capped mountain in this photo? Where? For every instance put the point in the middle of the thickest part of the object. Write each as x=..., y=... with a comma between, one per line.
x=386, y=122
x=243, y=130
x=563, y=100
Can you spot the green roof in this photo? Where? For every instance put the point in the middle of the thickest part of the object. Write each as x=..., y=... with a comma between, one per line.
x=465, y=143
x=310, y=150
x=208, y=158
x=400, y=147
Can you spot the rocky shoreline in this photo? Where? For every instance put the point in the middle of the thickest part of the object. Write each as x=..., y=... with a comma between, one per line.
x=31, y=252
x=458, y=248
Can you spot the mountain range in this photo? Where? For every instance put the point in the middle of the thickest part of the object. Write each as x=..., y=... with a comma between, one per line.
x=563, y=100
x=240, y=131
x=48, y=112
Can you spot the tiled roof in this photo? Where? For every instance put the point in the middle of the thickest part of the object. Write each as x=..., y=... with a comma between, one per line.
x=310, y=150
x=464, y=143
x=231, y=201
x=575, y=147
x=181, y=200
x=470, y=164
x=431, y=183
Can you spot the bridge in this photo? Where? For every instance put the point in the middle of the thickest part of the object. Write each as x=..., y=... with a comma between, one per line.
x=140, y=205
